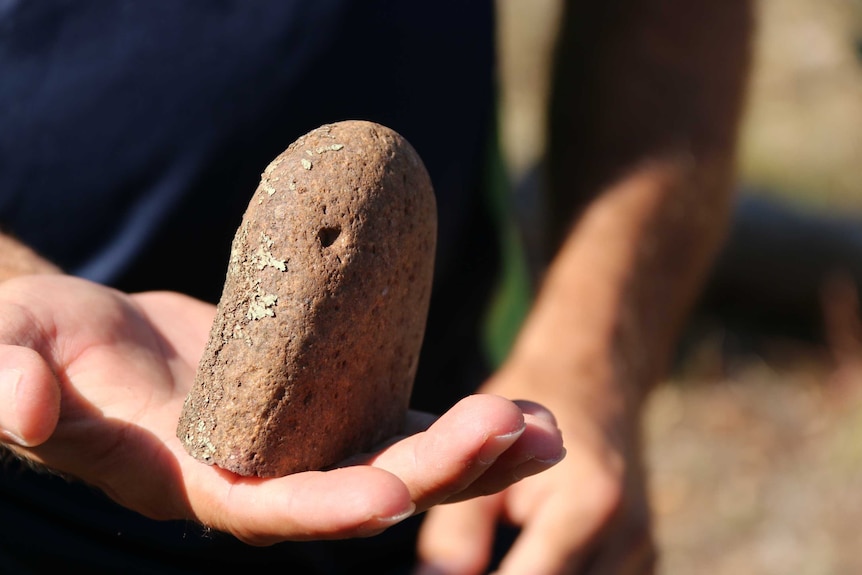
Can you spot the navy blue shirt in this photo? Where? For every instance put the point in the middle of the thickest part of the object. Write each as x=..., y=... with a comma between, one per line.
x=132, y=136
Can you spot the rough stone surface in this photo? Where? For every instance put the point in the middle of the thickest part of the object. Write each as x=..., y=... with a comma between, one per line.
x=314, y=349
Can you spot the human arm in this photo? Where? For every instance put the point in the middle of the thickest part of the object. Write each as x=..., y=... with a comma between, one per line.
x=19, y=259
x=647, y=100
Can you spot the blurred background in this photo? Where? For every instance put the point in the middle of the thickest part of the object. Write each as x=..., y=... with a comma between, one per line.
x=755, y=441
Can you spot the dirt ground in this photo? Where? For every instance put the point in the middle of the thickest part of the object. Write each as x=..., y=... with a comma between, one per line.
x=756, y=468
x=755, y=457
x=756, y=460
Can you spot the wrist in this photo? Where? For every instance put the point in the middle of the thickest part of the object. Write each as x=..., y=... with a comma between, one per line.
x=17, y=259
x=586, y=396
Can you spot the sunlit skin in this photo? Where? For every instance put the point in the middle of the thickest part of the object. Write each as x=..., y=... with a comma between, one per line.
x=643, y=128
x=641, y=170
x=95, y=379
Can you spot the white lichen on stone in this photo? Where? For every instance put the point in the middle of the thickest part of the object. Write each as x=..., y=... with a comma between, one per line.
x=332, y=148
x=263, y=257
x=239, y=333
x=235, y=263
x=266, y=187
x=261, y=306
x=198, y=440
x=207, y=450
x=306, y=163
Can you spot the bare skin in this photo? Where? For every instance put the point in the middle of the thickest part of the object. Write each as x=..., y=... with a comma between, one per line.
x=642, y=155
x=18, y=259
x=645, y=112
x=92, y=383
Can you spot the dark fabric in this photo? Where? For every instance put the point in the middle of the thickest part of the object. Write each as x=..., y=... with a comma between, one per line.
x=132, y=135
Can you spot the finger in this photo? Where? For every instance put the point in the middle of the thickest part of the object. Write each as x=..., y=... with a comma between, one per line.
x=539, y=448
x=457, y=539
x=455, y=450
x=420, y=421
x=549, y=544
x=628, y=550
x=627, y=547
x=536, y=409
x=29, y=397
x=347, y=502
x=561, y=533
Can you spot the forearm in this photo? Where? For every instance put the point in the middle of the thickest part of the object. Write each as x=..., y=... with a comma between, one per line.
x=17, y=259
x=612, y=303
x=646, y=104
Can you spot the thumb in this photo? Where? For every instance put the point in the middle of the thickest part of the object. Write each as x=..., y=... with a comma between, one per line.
x=29, y=397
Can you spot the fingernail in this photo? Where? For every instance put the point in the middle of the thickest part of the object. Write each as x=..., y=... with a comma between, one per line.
x=496, y=444
x=537, y=465
x=398, y=517
x=552, y=460
x=9, y=380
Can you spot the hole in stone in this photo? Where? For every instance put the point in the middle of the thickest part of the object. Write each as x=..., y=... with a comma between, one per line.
x=327, y=236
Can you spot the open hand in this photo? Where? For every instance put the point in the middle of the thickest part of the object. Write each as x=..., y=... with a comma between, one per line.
x=92, y=383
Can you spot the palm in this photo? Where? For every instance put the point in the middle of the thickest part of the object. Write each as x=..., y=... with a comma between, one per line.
x=124, y=365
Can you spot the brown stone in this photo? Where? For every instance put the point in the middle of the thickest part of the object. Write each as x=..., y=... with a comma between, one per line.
x=314, y=348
